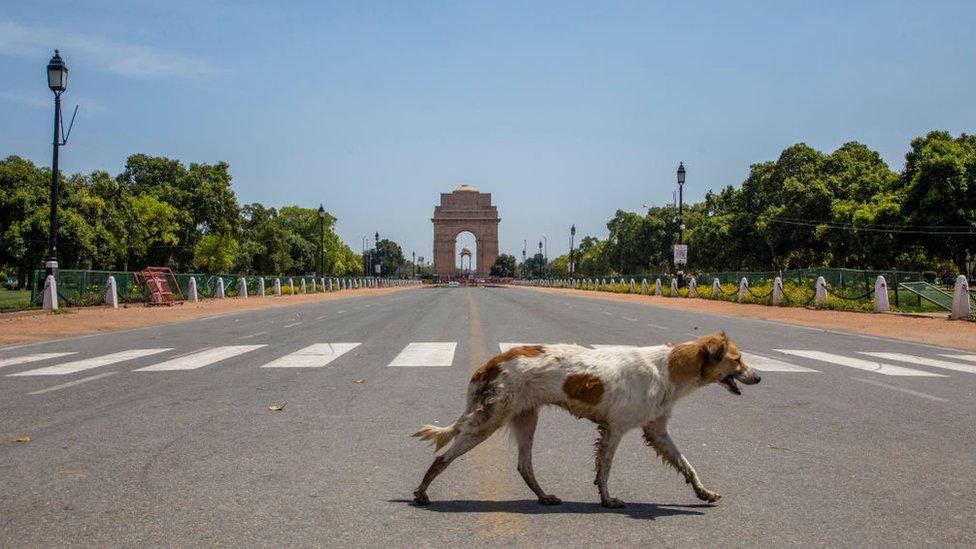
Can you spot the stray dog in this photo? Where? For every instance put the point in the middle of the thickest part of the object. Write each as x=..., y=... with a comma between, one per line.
x=619, y=389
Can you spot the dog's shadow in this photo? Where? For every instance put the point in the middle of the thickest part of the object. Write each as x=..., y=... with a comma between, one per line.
x=646, y=511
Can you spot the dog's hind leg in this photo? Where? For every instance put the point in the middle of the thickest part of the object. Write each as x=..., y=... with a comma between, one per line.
x=462, y=444
x=656, y=435
x=606, y=445
x=523, y=428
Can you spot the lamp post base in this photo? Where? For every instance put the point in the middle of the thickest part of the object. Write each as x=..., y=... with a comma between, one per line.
x=51, y=268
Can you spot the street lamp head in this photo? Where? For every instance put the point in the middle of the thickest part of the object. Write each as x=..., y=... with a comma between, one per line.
x=57, y=74
x=572, y=230
x=681, y=173
x=377, y=236
x=321, y=211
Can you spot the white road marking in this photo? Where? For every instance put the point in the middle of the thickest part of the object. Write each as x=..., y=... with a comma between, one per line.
x=933, y=362
x=899, y=389
x=320, y=317
x=766, y=364
x=658, y=327
x=252, y=335
x=339, y=312
x=89, y=363
x=73, y=383
x=630, y=319
x=292, y=325
x=201, y=359
x=971, y=358
x=30, y=358
x=426, y=354
x=857, y=363
x=313, y=356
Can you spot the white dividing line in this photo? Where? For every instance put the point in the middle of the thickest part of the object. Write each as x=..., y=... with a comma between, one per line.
x=766, y=364
x=73, y=383
x=89, y=363
x=30, y=358
x=901, y=390
x=320, y=317
x=933, y=362
x=253, y=335
x=292, y=325
x=426, y=354
x=859, y=364
x=313, y=356
x=658, y=327
x=971, y=358
x=203, y=358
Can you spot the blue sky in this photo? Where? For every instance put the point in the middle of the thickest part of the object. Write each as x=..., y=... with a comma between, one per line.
x=564, y=111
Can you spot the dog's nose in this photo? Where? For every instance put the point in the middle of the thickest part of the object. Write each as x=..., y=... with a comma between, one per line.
x=758, y=379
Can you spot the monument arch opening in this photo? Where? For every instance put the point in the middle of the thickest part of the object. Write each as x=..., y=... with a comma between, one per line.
x=465, y=210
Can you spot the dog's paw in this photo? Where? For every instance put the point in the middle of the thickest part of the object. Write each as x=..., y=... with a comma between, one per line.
x=709, y=496
x=612, y=503
x=420, y=498
x=549, y=500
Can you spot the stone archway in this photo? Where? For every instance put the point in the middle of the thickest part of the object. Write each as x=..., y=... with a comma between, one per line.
x=465, y=209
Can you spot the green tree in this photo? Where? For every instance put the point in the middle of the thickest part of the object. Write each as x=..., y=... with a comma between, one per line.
x=215, y=253
x=504, y=266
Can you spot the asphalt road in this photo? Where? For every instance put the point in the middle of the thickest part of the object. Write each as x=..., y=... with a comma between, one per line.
x=842, y=448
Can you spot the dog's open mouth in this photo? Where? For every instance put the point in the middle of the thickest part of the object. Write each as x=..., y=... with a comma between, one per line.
x=729, y=382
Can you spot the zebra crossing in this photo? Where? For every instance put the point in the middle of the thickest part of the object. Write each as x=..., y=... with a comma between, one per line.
x=441, y=354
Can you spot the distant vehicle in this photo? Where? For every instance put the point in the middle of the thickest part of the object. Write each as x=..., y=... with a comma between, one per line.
x=454, y=284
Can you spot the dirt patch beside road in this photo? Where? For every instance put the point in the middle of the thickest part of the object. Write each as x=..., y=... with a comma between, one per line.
x=960, y=334
x=31, y=326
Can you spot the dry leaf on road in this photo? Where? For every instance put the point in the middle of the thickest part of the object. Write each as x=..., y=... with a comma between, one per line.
x=361, y=381
x=20, y=439
x=277, y=407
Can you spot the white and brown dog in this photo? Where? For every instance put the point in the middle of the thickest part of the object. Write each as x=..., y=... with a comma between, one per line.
x=619, y=389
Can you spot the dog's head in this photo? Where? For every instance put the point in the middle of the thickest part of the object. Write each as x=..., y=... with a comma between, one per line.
x=712, y=358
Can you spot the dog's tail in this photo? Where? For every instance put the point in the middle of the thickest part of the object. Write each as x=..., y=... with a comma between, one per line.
x=438, y=436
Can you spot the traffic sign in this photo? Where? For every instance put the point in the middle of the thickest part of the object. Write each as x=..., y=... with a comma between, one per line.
x=680, y=254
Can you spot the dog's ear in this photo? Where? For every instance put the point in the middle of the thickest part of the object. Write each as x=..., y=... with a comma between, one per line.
x=712, y=351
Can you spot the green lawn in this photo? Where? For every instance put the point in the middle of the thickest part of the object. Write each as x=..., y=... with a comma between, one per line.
x=14, y=299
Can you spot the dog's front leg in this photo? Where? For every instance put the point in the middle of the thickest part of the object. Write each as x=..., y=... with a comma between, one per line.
x=606, y=445
x=656, y=435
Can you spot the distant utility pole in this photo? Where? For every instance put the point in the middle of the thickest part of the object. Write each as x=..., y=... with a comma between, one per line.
x=681, y=219
x=572, y=247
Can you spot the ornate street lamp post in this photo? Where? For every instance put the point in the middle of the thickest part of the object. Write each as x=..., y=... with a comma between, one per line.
x=681, y=217
x=57, y=80
x=414, y=263
x=379, y=259
x=572, y=247
x=321, y=236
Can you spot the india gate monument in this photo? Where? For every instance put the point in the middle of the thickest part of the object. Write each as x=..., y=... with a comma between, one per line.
x=465, y=209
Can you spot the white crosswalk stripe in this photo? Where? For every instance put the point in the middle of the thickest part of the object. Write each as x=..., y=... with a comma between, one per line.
x=766, y=364
x=859, y=364
x=933, y=362
x=26, y=359
x=426, y=354
x=313, y=356
x=200, y=359
x=971, y=358
x=89, y=363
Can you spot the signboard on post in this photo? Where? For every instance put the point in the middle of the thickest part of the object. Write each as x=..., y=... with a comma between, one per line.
x=378, y=268
x=681, y=254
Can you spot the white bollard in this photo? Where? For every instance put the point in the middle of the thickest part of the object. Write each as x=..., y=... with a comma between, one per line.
x=322, y=280
x=743, y=289
x=191, y=292
x=777, y=291
x=219, y=290
x=644, y=287
x=881, y=295
x=50, y=301
x=277, y=286
x=111, y=293
x=821, y=296
x=657, y=287
x=961, y=308
x=303, y=285
x=314, y=289
x=716, y=288
x=330, y=284
x=261, y=287
x=291, y=284
x=674, y=288
x=633, y=286
x=242, y=288
x=693, y=287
